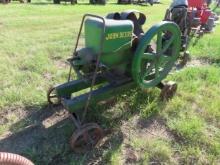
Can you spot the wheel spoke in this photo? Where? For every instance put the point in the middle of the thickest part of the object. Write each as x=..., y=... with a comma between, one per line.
x=148, y=56
x=159, y=42
x=165, y=58
x=149, y=77
x=167, y=45
x=53, y=96
x=90, y=139
x=147, y=72
x=85, y=136
x=157, y=69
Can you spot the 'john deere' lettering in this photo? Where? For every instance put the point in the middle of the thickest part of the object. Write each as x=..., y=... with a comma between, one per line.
x=112, y=36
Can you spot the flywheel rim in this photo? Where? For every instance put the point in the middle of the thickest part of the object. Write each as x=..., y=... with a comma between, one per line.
x=155, y=58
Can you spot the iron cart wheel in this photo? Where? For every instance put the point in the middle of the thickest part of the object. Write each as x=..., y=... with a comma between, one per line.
x=152, y=62
x=52, y=97
x=86, y=137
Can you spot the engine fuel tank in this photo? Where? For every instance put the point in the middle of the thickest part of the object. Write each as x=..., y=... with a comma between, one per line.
x=117, y=39
x=117, y=33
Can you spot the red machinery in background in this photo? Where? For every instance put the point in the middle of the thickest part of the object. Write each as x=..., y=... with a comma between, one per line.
x=194, y=18
x=201, y=14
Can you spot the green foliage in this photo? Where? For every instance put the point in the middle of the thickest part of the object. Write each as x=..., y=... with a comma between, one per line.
x=189, y=127
x=153, y=151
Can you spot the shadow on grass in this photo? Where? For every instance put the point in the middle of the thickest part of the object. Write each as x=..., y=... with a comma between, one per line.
x=39, y=135
x=43, y=135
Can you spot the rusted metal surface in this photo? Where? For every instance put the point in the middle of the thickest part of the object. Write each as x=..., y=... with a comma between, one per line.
x=86, y=137
x=52, y=97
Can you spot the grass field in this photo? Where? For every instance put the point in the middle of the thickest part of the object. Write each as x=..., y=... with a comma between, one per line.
x=37, y=38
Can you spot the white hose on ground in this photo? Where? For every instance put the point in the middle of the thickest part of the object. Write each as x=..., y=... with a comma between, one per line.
x=13, y=159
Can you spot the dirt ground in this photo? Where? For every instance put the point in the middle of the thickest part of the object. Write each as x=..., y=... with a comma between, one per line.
x=50, y=128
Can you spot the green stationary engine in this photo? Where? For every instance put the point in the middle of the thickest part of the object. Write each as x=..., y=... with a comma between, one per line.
x=117, y=56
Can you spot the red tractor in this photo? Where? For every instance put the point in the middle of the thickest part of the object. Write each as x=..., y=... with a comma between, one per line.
x=193, y=17
x=201, y=14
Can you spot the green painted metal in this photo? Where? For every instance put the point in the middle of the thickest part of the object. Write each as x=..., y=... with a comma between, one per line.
x=117, y=42
x=136, y=67
x=65, y=90
x=150, y=68
x=99, y=94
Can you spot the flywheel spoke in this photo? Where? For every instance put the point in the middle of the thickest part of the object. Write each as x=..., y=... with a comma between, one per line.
x=168, y=44
x=149, y=56
x=157, y=67
x=159, y=42
x=165, y=58
x=147, y=71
